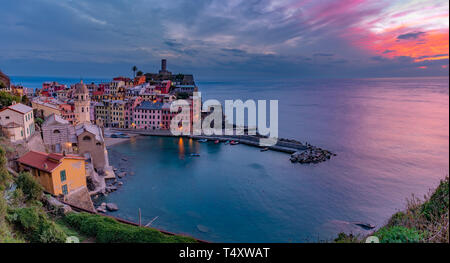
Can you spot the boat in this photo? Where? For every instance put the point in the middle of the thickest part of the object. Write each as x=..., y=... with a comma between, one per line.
x=365, y=225
x=227, y=142
x=234, y=143
x=203, y=140
x=217, y=142
x=264, y=149
x=195, y=155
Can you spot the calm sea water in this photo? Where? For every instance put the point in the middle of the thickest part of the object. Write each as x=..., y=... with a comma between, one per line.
x=391, y=137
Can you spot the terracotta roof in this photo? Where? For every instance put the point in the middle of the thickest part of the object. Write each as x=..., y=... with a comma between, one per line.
x=43, y=161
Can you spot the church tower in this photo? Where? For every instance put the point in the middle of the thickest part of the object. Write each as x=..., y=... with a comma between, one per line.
x=82, y=103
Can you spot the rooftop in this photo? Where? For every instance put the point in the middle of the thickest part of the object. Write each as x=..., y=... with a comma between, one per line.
x=147, y=105
x=19, y=107
x=45, y=162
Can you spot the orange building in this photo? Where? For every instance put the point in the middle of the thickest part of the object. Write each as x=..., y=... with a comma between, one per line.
x=57, y=173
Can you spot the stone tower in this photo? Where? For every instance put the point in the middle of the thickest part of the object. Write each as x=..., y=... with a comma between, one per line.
x=82, y=103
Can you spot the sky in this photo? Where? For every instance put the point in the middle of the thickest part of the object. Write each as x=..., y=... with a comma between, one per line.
x=225, y=39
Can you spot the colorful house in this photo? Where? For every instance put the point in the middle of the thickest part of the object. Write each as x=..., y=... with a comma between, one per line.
x=147, y=116
x=130, y=105
x=59, y=174
x=19, y=118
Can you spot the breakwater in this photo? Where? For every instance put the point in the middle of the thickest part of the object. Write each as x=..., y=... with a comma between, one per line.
x=302, y=153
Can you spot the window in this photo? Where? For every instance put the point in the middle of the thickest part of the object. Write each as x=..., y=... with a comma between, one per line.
x=63, y=175
x=64, y=189
x=56, y=131
x=86, y=138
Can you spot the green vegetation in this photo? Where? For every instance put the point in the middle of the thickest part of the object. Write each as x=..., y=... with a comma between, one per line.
x=426, y=221
x=70, y=231
x=22, y=217
x=399, y=234
x=25, y=100
x=38, y=121
x=108, y=230
x=36, y=226
x=30, y=187
x=4, y=174
x=6, y=99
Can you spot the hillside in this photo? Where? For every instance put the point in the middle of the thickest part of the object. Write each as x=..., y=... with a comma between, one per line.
x=424, y=221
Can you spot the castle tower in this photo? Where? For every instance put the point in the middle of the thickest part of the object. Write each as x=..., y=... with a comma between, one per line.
x=82, y=103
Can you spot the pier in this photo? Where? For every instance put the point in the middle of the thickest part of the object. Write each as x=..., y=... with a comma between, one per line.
x=300, y=153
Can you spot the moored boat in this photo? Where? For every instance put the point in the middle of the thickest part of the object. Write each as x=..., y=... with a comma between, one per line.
x=216, y=141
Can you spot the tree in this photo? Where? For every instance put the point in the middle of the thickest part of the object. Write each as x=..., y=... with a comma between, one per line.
x=30, y=186
x=25, y=100
x=6, y=99
x=134, y=69
x=139, y=73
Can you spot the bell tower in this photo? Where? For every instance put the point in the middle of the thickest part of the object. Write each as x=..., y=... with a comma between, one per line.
x=82, y=103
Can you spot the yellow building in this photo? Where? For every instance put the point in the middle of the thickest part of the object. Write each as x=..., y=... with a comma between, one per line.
x=111, y=112
x=59, y=174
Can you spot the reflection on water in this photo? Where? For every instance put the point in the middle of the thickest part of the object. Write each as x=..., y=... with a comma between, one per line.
x=391, y=137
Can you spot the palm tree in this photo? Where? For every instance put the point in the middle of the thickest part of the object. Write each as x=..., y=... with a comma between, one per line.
x=134, y=69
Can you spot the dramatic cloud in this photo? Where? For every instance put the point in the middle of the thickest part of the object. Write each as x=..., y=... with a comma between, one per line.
x=411, y=35
x=226, y=39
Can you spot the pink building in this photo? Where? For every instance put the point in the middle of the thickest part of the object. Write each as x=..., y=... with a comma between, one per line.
x=148, y=115
x=130, y=106
x=167, y=116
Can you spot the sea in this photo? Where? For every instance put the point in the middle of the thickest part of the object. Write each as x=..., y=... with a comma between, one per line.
x=391, y=137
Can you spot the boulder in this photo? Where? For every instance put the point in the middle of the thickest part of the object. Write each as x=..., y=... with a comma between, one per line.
x=112, y=207
x=101, y=209
x=55, y=205
x=111, y=189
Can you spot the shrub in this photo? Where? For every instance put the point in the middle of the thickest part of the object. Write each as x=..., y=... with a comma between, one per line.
x=6, y=98
x=438, y=203
x=108, y=230
x=36, y=226
x=344, y=238
x=399, y=234
x=4, y=174
x=3, y=208
x=30, y=187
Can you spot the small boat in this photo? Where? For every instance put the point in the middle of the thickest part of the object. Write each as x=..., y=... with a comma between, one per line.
x=264, y=149
x=227, y=142
x=203, y=140
x=216, y=141
x=195, y=155
x=234, y=143
x=365, y=225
